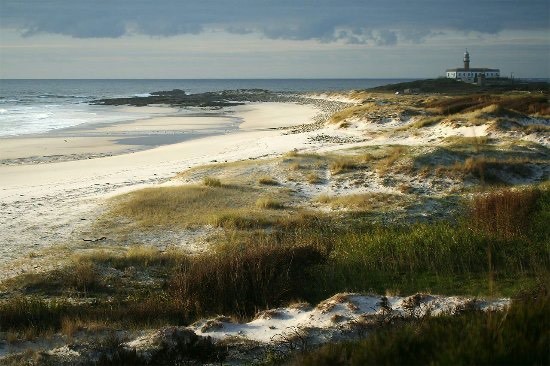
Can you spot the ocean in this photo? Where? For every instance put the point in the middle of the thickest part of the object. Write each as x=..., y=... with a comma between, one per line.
x=38, y=106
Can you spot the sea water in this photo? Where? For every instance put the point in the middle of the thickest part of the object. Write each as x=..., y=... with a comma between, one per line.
x=38, y=106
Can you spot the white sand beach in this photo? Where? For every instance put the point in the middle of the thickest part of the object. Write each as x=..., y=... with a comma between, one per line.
x=53, y=203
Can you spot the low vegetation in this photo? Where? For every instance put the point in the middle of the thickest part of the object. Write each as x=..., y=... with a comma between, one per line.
x=255, y=270
x=191, y=206
x=517, y=336
x=342, y=165
x=269, y=203
x=211, y=182
x=509, y=105
x=363, y=201
x=427, y=122
x=268, y=181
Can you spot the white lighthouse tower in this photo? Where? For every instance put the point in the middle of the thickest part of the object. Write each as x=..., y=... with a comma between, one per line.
x=471, y=75
x=466, y=60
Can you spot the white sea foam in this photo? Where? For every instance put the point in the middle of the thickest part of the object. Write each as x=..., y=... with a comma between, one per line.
x=31, y=119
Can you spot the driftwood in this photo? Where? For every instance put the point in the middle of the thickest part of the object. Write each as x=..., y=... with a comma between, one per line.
x=95, y=240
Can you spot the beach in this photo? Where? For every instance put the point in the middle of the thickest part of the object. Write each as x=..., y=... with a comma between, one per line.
x=50, y=202
x=341, y=211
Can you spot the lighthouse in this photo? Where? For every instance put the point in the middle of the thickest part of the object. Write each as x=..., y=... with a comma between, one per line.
x=472, y=74
x=466, y=60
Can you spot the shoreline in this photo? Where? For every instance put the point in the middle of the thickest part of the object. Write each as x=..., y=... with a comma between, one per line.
x=103, y=139
x=172, y=126
x=53, y=203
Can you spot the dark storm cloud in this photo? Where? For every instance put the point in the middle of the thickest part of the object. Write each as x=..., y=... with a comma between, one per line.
x=381, y=22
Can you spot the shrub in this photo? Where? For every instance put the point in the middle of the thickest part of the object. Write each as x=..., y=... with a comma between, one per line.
x=83, y=276
x=504, y=213
x=242, y=280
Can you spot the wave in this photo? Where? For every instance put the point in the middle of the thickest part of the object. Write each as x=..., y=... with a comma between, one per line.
x=61, y=96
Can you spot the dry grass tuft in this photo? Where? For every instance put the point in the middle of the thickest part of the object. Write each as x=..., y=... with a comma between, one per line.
x=427, y=122
x=385, y=164
x=313, y=178
x=361, y=201
x=493, y=169
x=462, y=141
x=268, y=181
x=84, y=276
x=504, y=213
x=295, y=166
x=211, y=182
x=142, y=254
x=182, y=206
x=70, y=326
x=353, y=112
x=342, y=165
x=269, y=203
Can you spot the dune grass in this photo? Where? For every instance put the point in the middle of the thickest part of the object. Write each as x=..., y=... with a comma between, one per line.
x=211, y=182
x=516, y=336
x=303, y=258
x=393, y=155
x=353, y=112
x=268, y=181
x=244, y=280
x=313, y=178
x=342, y=164
x=269, y=203
x=362, y=201
x=498, y=247
x=493, y=170
x=463, y=142
x=446, y=257
x=483, y=159
x=500, y=105
x=427, y=122
x=189, y=206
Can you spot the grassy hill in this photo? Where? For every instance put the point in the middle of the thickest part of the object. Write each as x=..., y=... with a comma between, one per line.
x=451, y=86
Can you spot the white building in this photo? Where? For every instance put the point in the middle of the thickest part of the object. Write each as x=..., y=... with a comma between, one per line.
x=471, y=74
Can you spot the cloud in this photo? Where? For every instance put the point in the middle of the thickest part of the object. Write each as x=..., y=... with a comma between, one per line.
x=379, y=22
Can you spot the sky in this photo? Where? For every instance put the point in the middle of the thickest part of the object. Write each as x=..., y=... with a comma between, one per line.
x=178, y=39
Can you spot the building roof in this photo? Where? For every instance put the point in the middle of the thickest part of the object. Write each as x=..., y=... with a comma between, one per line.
x=474, y=69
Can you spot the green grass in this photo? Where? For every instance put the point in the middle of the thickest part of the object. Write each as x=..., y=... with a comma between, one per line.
x=461, y=257
x=516, y=336
x=242, y=280
x=303, y=257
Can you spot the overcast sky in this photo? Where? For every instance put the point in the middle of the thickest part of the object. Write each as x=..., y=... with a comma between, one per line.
x=270, y=39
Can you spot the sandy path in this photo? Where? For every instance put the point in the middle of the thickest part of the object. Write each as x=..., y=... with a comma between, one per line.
x=47, y=204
